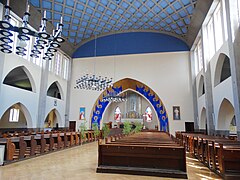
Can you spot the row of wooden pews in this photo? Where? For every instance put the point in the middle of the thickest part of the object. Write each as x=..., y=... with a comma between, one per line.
x=27, y=146
x=220, y=154
x=144, y=153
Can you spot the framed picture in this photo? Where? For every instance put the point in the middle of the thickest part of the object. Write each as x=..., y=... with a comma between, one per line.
x=82, y=112
x=176, y=113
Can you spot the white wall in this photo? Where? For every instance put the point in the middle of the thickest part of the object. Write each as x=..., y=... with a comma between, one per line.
x=168, y=74
x=219, y=92
x=10, y=95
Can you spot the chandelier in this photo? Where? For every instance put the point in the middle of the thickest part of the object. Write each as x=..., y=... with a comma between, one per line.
x=93, y=82
x=114, y=97
x=44, y=42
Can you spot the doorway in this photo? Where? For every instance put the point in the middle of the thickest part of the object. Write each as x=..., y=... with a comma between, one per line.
x=72, y=126
x=189, y=126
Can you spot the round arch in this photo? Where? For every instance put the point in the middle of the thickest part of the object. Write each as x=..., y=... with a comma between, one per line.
x=131, y=84
x=225, y=115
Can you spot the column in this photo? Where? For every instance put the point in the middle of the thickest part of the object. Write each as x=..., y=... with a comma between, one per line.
x=194, y=91
x=42, y=96
x=234, y=56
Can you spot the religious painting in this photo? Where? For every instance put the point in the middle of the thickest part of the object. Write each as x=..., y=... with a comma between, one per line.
x=82, y=112
x=117, y=114
x=176, y=113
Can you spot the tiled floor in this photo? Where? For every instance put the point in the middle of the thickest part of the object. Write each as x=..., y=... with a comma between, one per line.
x=80, y=163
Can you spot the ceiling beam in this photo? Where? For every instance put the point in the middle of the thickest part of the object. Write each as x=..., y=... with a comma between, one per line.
x=199, y=14
x=19, y=8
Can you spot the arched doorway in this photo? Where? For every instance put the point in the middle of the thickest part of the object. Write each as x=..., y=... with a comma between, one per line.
x=225, y=115
x=16, y=116
x=135, y=108
x=52, y=119
x=131, y=84
x=203, y=119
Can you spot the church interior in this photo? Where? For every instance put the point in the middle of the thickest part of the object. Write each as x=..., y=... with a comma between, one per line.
x=120, y=89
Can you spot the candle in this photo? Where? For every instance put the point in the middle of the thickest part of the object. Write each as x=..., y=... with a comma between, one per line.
x=45, y=14
x=28, y=8
x=8, y=2
x=61, y=20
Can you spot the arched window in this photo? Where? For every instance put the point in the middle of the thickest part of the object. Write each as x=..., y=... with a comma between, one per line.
x=117, y=114
x=225, y=73
x=201, y=88
x=148, y=114
x=54, y=91
x=19, y=78
x=222, y=69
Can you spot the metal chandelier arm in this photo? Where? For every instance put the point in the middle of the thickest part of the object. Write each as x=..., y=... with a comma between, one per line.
x=44, y=41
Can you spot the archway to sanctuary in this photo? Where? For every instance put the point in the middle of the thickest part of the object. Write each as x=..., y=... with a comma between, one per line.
x=127, y=84
x=136, y=108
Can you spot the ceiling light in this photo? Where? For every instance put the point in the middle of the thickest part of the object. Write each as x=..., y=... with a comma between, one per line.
x=6, y=50
x=25, y=32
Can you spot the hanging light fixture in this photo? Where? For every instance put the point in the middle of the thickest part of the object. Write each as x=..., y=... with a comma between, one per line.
x=93, y=82
x=44, y=41
x=112, y=94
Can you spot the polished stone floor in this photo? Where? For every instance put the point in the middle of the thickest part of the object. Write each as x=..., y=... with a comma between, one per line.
x=80, y=163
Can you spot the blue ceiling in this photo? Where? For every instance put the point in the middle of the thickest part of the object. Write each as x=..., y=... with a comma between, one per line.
x=85, y=19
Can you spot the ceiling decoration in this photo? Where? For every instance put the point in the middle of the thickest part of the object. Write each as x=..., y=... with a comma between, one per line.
x=85, y=19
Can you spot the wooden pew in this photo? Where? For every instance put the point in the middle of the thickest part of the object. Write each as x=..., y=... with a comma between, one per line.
x=9, y=149
x=220, y=154
x=20, y=145
x=229, y=161
x=31, y=145
x=143, y=154
x=41, y=144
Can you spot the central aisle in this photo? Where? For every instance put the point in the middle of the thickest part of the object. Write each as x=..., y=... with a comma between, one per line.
x=80, y=163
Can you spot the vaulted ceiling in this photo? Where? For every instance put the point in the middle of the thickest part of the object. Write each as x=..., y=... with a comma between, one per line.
x=87, y=19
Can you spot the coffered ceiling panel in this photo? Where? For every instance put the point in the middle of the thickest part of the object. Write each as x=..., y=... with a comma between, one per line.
x=86, y=19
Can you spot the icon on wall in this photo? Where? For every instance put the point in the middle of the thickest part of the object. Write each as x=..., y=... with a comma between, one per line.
x=176, y=113
x=82, y=113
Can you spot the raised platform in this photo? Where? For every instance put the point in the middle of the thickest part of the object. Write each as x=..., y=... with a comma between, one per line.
x=142, y=171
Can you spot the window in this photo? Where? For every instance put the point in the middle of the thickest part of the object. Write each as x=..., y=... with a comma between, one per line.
x=58, y=63
x=117, y=114
x=148, y=114
x=198, y=57
x=50, y=65
x=218, y=27
x=14, y=115
x=210, y=37
x=224, y=20
x=66, y=62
